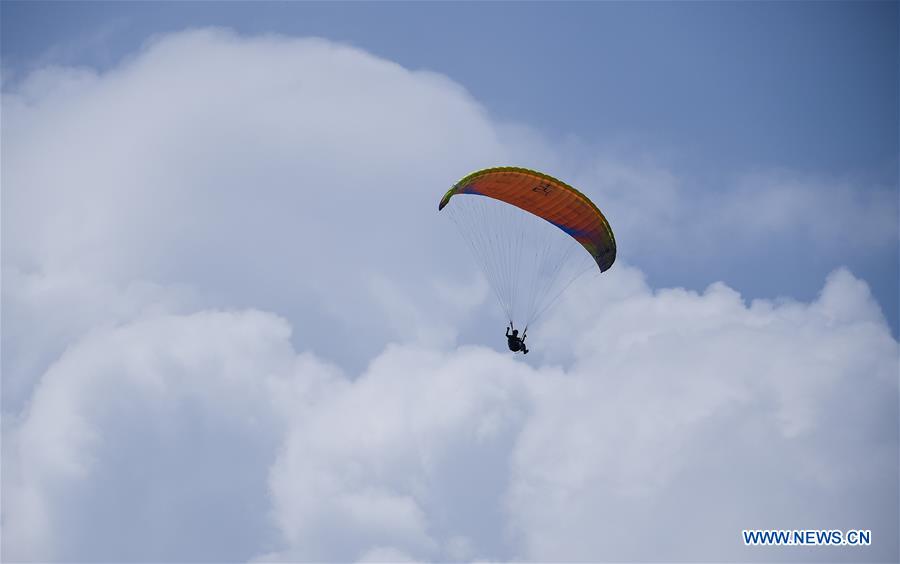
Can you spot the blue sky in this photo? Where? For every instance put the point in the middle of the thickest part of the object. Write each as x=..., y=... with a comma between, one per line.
x=775, y=84
x=235, y=326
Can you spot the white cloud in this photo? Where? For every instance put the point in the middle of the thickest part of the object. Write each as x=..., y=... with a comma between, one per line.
x=412, y=454
x=149, y=428
x=268, y=173
x=43, y=313
x=691, y=416
x=151, y=214
x=724, y=416
x=757, y=215
x=385, y=554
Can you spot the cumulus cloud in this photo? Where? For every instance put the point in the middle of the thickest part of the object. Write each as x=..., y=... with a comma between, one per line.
x=291, y=174
x=141, y=434
x=693, y=415
x=684, y=418
x=230, y=320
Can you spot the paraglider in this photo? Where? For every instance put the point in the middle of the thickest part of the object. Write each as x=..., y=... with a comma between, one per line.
x=515, y=342
x=528, y=232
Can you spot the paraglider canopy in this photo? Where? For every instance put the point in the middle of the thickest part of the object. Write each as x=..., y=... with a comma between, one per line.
x=528, y=231
x=548, y=198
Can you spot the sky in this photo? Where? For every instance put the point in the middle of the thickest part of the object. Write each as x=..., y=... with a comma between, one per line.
x=236, y=328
